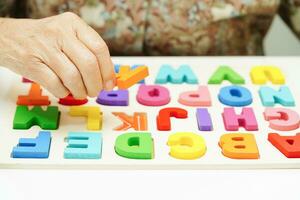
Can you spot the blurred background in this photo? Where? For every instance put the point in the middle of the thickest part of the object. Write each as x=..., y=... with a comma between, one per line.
x=281, y=40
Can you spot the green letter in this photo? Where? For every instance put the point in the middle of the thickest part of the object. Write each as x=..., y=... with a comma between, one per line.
x=25, y=118
x=226, y=73
x=137, y=145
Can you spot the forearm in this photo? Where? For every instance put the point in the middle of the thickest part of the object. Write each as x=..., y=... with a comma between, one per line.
x=9, y=48
x=4, y=57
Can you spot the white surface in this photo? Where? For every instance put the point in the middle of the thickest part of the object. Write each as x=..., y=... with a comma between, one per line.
x=89, y=184
x=149, y=185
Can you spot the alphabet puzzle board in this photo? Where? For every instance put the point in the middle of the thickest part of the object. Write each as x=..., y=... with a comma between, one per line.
x=187, y=145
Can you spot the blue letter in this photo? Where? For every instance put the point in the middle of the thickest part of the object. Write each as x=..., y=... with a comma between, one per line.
x=83, y=146
x=183, y=74
x=269, y=96
x=235, y=96
x=33, y=148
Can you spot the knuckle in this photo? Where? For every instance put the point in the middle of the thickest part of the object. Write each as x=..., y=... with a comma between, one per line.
x=70, y=15
x=100, y=47
x=52, y=29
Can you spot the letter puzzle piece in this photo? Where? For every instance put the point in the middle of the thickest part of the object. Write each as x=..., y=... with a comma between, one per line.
x=92, y=113
x=117, y=69
x=201, y=97
x=26, y=80
x=136, y=145
x=46, y=119
x=138, y=121
x=226, y=73
x=235, y=96
x=38, y=147
x=287, y=145
x=239, y=146
x=269, y=97
x=128, y=77
x=34, y=97
x=71, y=101
x=183, y=74
x=204, y=120
x=282, y=119
x=113, y=98
x=246, y=119
x=83, y=145
x=261, y=74
x=186, y=146
x=163, y=119
x=153, y=95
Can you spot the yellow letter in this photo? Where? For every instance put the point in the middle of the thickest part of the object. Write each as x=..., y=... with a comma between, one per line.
x=93, y=114
x=261, y=74
x=186, y=145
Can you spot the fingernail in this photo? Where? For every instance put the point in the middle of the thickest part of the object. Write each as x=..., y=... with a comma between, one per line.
x=109, y=85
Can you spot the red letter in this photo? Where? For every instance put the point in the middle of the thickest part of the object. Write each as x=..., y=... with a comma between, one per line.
x=288, y=145
x=163, y=119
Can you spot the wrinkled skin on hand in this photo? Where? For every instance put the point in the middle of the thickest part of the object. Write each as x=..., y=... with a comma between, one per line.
x=62, y=53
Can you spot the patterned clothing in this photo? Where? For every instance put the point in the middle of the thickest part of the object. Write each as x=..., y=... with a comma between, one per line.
x=171, y=27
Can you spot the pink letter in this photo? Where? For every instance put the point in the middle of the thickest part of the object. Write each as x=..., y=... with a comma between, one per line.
x=201, y=97
x=282, y=119
x=153, y=95
x=232, y=121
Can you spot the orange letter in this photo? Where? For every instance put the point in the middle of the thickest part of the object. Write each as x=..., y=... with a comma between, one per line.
x=138, y=121
x=239, y=146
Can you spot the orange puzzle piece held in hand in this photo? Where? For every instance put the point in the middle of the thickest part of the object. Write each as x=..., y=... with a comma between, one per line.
x=34, y=97
x=128, y=77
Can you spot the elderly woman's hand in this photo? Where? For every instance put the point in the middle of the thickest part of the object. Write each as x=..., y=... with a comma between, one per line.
x=62, y=53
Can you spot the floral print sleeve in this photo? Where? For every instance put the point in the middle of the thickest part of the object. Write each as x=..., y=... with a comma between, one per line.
x=6, y=7
x=120, y=22
x=290, y=12
x=175, y=27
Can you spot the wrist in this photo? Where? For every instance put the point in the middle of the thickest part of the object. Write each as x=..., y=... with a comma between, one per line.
x=2, y=21
x=5, y=43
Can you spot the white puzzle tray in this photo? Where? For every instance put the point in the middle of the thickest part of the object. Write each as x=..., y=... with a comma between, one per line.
x=11, y=86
